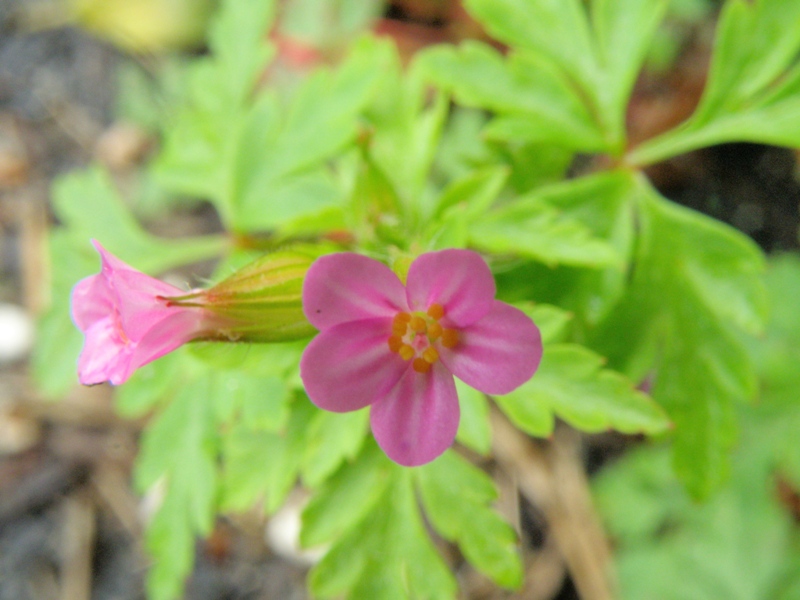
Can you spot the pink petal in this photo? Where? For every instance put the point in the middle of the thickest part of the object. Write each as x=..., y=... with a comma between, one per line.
x=105, y=356
x=113, y=267
x=348, y=287
x=459, y=280
x=90, y=301
x=350, y=366
x=498, y=353
x=418, y=419
x=135, y=295
x=172, y=331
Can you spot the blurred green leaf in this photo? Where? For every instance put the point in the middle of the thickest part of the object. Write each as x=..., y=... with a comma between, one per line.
x=386, y=553
x=54, y=362
x=149, y=386
x=90, y=207
x=238, y=43
x=552, y=321
x=263, y=162
x=260, y=464
x=739, y=544
x=530, y=226
x=346, y=497
x=572, y=384
x=332, y=438
x=535, y=100
x=753, y=82
x=329, y=24
x=178, y=451
x=473, y=428
x=406, y=123
x=623, y=30
x=543, y=27
x=456, y=496
x=696, y=286
x=776, y=416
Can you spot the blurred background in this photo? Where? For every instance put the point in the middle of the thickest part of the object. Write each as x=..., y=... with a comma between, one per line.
x=74, y=77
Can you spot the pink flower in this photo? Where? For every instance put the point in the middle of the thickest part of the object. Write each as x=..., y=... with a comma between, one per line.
x=396, y=348
x=128, y=321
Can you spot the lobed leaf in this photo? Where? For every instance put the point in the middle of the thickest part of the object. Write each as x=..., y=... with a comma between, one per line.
x=456, y=496
x=696, y=286
x=386, y=551
x=572, y=384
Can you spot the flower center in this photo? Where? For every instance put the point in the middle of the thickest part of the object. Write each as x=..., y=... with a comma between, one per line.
x=414, y=335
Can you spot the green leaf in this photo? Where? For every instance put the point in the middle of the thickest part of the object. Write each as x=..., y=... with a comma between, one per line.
x=149, y=386
x=604, y=203
x=543, y=27
x=753, y=47
x=751, y=92
x=624, y=30
x=329, y=24
x=553, y=322
x=179, y=448
x=238, y=42
x=263, y=162
x=387, y=553
x=90, y=207
x=776, y=416
x=740, y=544
x=331, y=439
x=532, y=227
x=476, y=192
x=535, y=100
x=456, y=496
x=280, y=170
x=262, y=464
x=406, y=126
x=345, y=498
x=696, y=286
x=473, y=427
x=55, y=355
x=572, y=384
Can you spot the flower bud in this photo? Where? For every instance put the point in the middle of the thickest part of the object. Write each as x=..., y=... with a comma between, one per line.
x=261, y=302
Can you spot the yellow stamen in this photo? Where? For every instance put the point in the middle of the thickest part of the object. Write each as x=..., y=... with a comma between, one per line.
x=430, y=354
x=402, y=317
x=449, y=338
x=436, y=311
x=406, y=352
x=418, y=324
x=399, y=328
x=421, y=365
x=434, y=330
x=395, y=343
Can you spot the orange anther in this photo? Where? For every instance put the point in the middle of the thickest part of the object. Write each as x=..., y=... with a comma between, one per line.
x=434, y=330
x=421, y=365
x=436, y=311
x=400, y=323
x=418, y=324
x=430, y=354
x=395, y=343
x=399, y=328
x=406, y=352
x=449, y=338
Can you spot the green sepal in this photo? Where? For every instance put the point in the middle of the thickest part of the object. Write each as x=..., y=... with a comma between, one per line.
x=261, y=302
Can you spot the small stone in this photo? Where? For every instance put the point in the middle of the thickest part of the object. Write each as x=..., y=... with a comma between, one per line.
x=16, y=333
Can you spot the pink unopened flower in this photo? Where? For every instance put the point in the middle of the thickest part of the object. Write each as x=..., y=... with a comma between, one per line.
x=396, y=348
x=128, y=321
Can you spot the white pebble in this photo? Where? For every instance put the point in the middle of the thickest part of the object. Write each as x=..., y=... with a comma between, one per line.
x=16, y=332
